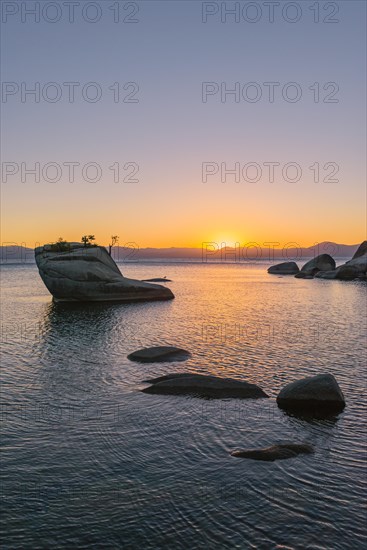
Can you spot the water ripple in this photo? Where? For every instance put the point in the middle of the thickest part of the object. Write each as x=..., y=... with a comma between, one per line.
x=90, y=461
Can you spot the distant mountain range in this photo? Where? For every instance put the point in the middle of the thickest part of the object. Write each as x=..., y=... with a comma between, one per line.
x=210, y=252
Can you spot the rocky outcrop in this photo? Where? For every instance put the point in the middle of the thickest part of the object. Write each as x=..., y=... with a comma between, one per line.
x=315, y=394
x=323, y=262
x=275, y=452
x=285, y=268
x=356, y=268
x=203, y=386
x=361, y=251
x=159, y=354
x=350, y=271
x=78, y=273
x=324, y=267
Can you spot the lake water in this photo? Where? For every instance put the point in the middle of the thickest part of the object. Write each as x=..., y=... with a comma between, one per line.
x=88, y=461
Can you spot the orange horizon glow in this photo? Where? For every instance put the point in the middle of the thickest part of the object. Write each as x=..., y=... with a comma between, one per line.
x=183, y=217
x=216, y=240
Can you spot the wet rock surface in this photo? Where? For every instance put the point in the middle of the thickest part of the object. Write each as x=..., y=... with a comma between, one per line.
x=158, y=354
x=323, y=262
x=314, y=394
x=203, y=386
x=78, y=273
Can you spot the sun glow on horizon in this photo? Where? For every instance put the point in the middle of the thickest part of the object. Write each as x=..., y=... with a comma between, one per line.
x=229, y=241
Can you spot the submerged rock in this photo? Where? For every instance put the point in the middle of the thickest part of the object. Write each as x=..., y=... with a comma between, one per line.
x=78, y=273
x=314, y=394
x=275, y=452
x=158, y=280
x=170, y=376
x=203, y=386
x=159, y=354
x=323, y=262
x=285, y=268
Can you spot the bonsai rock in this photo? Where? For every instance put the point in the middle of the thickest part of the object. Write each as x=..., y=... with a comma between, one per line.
x=80, y=273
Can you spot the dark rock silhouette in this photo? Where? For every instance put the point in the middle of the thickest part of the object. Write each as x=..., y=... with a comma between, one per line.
x=204, y=386
x=159, y=354
x=361, y=251
x=158, y=280
x=285, y=268
x=356, y=268
x=170, y=377
x=314, y=394
x=78, y=273
x=323, y=262
x=275, y=452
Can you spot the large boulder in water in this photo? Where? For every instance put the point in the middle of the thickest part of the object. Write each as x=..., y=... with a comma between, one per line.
x=285, y=268
x=323, y=262
x=201, y=385
x=356, y=268
x=349, y=272
x=275, y=452
x=77, y=273
x=361, y=251
x=314, y=394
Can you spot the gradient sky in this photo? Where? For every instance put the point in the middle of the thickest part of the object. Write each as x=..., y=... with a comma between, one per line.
x=170, y=132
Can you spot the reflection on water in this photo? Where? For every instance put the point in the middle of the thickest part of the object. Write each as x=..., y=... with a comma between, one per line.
x=90, y=325
x=89, y=461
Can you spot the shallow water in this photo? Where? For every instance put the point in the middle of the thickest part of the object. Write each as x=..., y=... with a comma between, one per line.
x=88, y=461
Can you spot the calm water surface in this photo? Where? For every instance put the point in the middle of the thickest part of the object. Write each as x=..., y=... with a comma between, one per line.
x=88, y=461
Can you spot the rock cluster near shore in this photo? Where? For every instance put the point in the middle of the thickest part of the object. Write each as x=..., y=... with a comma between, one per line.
x=356, y=268
x=324, y=267
x=312, y=396
x=318, y=395
x=78, y=273
x=323, y=262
